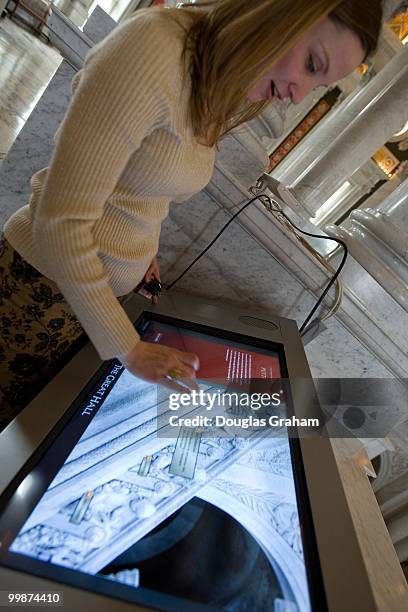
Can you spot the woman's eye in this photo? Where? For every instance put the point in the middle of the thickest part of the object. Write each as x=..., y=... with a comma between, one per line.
x=310, y=65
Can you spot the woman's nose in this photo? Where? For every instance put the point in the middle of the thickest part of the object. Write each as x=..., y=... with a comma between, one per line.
x=299, y=90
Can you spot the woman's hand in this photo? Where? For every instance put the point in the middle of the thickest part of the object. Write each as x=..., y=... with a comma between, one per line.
x=153, y=271
x=155, y=362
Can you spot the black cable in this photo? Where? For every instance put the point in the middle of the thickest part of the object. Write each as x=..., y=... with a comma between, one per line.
x=333, y=279
x=211, y=243
x=335, y=275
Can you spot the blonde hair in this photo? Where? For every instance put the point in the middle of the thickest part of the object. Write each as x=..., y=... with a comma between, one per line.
x=233, y=44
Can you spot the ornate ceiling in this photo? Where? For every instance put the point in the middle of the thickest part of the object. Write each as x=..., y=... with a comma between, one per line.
x=399, y=25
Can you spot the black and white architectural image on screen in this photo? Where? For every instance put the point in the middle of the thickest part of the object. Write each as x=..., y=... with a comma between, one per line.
x=116, y=509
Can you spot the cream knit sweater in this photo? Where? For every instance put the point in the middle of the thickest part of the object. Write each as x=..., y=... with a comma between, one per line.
x=123, y=152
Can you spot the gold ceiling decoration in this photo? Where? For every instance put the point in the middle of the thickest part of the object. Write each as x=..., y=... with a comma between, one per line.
x=399, y=25
x=362, y=69
x=386, y=161
x=312, y=118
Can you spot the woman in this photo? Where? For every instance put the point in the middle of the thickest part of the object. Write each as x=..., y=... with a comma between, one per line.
x=148, y=108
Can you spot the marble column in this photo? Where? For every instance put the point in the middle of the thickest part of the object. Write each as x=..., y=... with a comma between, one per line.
x=77, y=11
x=388, y=46
x=65, y=36
x=348, y=137
x=378, y=240
x=73, y=43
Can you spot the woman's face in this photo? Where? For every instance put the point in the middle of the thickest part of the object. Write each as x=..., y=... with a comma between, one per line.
x=326, y=53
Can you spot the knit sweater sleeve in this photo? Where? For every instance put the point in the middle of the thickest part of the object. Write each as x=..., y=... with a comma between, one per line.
x=119, y=100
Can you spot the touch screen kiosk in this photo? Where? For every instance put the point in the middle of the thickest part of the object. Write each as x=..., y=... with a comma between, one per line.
x=114, y=498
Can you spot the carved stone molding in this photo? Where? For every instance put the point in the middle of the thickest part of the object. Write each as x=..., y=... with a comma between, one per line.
x=378, y=240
